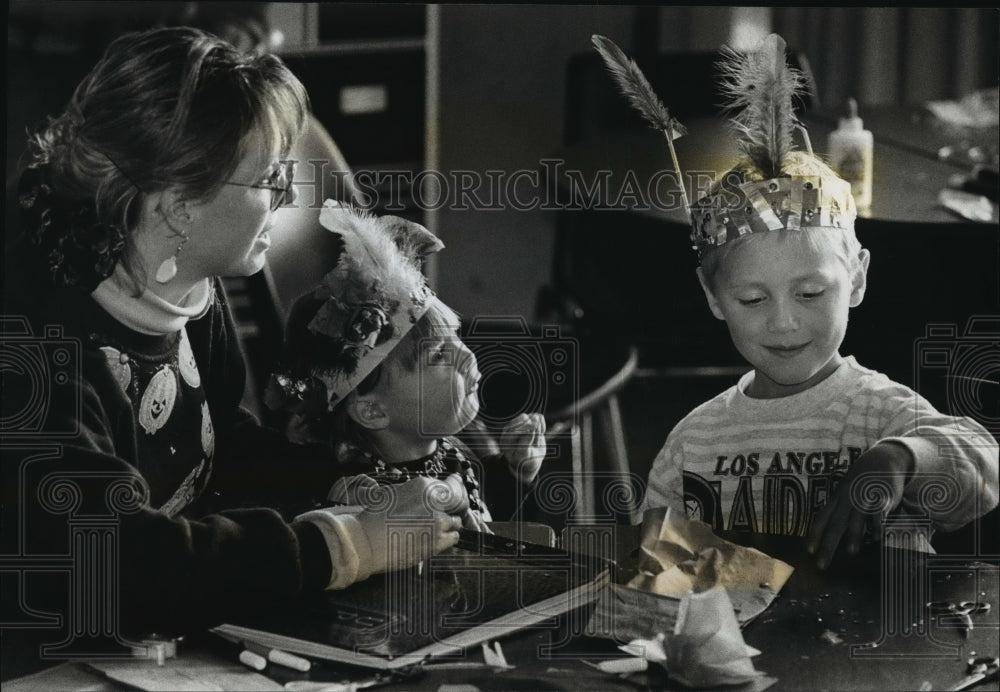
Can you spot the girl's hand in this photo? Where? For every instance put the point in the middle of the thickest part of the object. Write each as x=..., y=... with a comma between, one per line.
x=523, y=443
x=473, y=521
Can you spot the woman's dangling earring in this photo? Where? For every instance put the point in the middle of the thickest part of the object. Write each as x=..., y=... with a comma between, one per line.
x=168, y=267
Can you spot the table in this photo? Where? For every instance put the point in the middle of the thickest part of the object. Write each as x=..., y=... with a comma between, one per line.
x=907, y=174
x=916, y=129
x=877, y=597
x=880, y=599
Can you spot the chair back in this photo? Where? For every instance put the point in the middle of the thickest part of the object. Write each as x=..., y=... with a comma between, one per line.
x=604, y=487
x=563, y=418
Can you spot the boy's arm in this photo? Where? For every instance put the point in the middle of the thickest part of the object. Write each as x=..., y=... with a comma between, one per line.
x=955, y=460
x=924, y=464
x=665, y=487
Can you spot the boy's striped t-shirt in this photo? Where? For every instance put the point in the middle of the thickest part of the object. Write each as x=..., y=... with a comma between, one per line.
x=768, y=465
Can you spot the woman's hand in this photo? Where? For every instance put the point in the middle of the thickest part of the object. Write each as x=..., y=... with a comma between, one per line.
x=523, y=443
x=358, y=490
x=870, y=490
x=411, y=521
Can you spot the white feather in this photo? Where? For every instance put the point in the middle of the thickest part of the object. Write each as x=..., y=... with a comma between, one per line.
x=759, y=86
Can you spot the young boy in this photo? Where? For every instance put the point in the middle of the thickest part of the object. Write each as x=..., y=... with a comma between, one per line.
x=809, y=443
x=377, y=369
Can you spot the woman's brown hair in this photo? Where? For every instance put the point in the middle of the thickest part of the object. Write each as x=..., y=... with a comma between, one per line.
x=165, y=107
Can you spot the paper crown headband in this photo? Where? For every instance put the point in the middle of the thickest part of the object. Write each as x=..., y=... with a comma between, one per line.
x=759, y=86
x=794, y=202
x=339, y=332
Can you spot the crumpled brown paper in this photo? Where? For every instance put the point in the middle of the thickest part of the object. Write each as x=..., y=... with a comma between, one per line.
x=679, y=555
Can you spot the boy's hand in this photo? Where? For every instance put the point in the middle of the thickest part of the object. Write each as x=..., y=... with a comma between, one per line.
x=867, y=494
x=523, y=443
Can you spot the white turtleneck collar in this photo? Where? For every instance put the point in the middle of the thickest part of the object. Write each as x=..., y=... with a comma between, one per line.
x=150, y=314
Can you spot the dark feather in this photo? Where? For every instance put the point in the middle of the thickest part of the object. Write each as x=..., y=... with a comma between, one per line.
x=636, y=88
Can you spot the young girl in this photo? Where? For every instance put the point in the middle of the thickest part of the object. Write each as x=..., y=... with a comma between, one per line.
x=375, y=364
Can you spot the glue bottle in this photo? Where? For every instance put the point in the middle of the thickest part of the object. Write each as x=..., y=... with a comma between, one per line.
x=851, y=152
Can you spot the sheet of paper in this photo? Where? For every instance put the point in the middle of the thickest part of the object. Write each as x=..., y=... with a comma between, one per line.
x=188, y=672
x=65, y=677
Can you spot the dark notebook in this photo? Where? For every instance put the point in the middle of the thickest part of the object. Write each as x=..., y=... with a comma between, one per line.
x=485, y=587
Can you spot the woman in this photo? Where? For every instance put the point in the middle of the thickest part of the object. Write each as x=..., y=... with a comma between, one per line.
x=165, y=171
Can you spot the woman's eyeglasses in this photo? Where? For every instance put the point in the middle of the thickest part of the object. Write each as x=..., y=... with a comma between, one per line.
x=279, y=183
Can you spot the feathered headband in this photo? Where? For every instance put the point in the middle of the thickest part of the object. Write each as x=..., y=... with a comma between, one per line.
x=760, y=88
x=361, y=310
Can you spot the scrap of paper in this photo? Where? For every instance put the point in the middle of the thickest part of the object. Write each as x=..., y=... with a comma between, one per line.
x=967, y=205
x=703, y=647
x=65, y=677
x=707, y=647
x=648, y=649
x=977, y=109
x=494, y=657
x=620, y=666
x=679, y=555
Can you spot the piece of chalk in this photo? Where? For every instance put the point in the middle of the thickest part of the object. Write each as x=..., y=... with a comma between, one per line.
x=283, y=658
x=252, y=660
x=623, y=665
